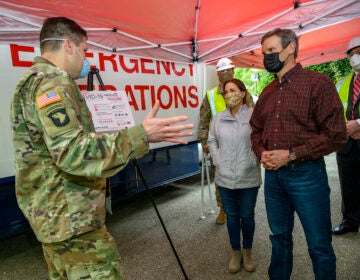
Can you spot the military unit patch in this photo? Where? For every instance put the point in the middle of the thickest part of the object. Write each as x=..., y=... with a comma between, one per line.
x=59, y=117
x=47, y=98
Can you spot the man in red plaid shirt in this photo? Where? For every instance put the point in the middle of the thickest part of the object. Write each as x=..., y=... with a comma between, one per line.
x=297, y=120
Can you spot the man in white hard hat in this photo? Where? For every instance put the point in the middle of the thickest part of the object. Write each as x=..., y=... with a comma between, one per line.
x=348, y=158
x=214, y=103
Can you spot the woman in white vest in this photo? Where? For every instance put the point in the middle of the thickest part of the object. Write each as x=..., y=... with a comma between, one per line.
x=237, y=171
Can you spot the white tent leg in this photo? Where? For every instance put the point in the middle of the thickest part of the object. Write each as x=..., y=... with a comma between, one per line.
x=202, y=216
x=207, y=163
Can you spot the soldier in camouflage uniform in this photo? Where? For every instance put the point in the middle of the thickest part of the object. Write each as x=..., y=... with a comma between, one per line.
x=61, y=163
x=213, y=103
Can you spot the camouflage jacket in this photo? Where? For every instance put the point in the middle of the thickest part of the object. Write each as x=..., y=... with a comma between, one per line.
x=205, y=119
x=60, y=162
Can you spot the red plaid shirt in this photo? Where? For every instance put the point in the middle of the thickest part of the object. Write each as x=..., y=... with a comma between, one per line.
x=302, y=112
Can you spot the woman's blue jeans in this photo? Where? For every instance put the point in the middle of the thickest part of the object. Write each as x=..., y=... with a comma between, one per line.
x=302, y=188
x=239, y=207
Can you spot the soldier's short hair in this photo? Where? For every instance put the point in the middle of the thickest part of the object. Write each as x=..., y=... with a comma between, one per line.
x=57, y=28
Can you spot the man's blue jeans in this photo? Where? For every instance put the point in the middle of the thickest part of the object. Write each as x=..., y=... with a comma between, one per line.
x=302, y=188
x=239, y=207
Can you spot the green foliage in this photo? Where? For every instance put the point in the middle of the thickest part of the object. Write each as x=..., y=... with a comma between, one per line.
x=254, y=87
x=334, y=69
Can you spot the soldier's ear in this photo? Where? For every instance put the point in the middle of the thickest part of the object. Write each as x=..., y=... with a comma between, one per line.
x=69, y=46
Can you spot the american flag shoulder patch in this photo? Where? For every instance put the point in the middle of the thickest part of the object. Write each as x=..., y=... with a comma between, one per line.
x=47, y=98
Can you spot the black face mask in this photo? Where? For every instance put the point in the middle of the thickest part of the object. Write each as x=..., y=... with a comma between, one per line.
x=272, y=62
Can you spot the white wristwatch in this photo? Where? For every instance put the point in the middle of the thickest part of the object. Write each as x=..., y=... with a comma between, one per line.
x=292, y=155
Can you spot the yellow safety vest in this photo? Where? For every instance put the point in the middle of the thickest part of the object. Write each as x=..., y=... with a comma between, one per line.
x=343, y=88
x=216, y=101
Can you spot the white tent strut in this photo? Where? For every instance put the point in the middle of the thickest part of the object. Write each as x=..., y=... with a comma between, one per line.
x=207, y=40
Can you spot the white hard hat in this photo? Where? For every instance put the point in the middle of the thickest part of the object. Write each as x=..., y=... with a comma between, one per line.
x=224, y=63
x=355, y=42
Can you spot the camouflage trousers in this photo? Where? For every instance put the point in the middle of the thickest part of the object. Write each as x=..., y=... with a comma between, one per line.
x=92, y=255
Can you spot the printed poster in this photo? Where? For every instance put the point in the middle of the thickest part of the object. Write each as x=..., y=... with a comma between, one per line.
x=110, y=110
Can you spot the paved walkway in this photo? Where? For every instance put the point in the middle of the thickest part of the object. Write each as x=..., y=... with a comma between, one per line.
x=202, y=245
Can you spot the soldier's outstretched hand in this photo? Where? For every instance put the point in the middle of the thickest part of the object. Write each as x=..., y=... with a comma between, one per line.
x=166, y=129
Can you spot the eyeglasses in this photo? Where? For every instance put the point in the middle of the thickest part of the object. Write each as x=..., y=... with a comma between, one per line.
x=226, y=70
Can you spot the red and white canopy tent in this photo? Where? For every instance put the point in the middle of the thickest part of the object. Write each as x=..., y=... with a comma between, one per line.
x=192, y=30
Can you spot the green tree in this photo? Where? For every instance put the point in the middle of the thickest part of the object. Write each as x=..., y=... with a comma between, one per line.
x=254, y=87
x=334, y=69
